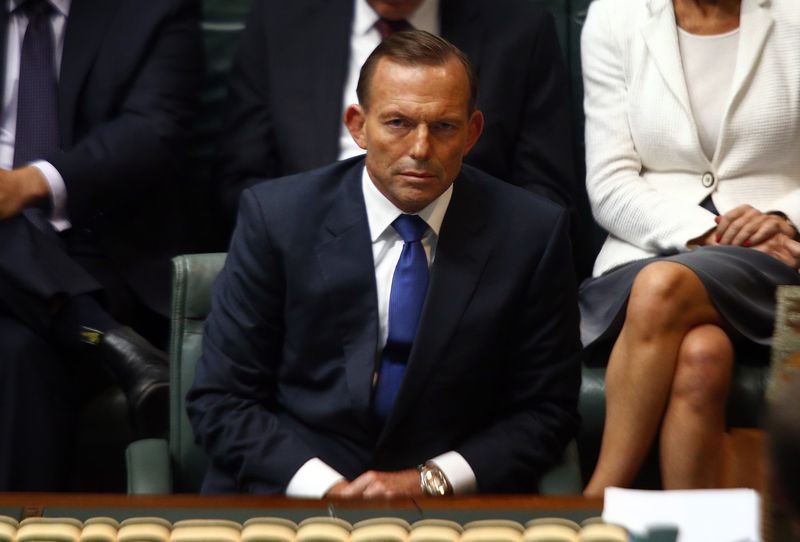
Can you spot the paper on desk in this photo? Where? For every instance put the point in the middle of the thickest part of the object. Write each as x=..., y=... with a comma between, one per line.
x=702, y=515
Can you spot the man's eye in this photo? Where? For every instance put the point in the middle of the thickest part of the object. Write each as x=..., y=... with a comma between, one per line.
x=443, y=126
x=397, y=123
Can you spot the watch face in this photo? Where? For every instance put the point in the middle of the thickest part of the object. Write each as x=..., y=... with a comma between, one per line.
x=434, y=481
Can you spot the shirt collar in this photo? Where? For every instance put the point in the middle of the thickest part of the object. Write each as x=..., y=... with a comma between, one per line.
x=426, y=17
x=62, y=6
x=381, y=212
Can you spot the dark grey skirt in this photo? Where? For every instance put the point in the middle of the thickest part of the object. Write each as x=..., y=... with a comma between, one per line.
x=741, y=283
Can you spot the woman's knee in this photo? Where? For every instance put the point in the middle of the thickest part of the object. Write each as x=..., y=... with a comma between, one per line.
x=704, y=369
x=667, y=295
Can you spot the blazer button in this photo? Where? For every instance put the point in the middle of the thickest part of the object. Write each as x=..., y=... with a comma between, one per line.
x=708, y=179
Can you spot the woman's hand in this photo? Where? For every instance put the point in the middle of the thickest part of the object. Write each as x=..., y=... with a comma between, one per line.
x=747, y=226
x=707, y=239
x=783, y=248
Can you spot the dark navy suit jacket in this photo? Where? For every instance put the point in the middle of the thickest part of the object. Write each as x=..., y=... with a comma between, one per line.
x=290, y=346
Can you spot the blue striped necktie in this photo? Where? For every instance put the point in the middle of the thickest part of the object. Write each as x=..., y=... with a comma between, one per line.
x=409, y=286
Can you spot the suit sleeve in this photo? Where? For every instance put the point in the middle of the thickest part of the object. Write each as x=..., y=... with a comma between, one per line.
x=231, y=404
x=248, y=152
x=535, y=412
x=543, y=160
x=148, y=129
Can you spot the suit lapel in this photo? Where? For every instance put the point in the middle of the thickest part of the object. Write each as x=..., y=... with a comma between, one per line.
x=461, y=255
x=348, y=271
x=330, y=25
x=462, y=26
x=86, y=25
x=660, y=33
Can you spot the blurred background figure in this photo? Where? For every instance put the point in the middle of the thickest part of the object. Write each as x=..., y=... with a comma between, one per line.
x=97, y=100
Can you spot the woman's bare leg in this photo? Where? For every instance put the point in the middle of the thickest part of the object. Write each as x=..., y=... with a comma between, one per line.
x=667, y=300
x=693, y=430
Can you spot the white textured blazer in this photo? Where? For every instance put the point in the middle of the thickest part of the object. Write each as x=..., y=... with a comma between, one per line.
x=646, y=170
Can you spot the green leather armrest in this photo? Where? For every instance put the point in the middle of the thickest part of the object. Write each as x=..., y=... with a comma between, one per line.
x=149, y=469
x=565, y=477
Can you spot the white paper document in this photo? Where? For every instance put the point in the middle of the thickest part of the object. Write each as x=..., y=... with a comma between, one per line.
x=703, y=515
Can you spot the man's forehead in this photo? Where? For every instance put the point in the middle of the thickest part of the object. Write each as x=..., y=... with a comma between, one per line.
x=437, y=89
x=401, y=72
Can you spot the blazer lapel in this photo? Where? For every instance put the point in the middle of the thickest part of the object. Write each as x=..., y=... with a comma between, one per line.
x=348, y=271
x=461, y=255
x=754, y=29
x=86, y=26
x=660, y=33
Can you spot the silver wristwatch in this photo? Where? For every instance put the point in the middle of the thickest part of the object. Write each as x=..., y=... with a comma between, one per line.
x=432, y=481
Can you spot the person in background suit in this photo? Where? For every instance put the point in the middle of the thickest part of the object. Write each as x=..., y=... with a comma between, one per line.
x=297, y=65
x=97, y=97
x=347, y=355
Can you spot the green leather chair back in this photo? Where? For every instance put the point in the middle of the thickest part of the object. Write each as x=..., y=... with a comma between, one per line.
x=193, y=277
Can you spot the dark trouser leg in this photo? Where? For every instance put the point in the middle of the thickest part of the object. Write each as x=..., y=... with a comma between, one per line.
x=38, y=411
x=35, y=270
x=44, y=287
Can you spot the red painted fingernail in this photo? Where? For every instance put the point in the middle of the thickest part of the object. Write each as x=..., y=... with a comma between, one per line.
x=746, y=244
x=719, y=238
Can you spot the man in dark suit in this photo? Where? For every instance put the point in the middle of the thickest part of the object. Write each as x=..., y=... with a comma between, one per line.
x=298, y=61
x=97, y=100
x=334, y=362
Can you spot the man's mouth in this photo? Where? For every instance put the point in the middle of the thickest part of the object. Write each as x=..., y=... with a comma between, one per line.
x=417, y=174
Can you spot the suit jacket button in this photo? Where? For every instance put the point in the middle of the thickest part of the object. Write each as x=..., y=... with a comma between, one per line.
x=708, y=179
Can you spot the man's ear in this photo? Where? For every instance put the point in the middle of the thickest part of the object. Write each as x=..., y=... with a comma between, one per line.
x=475, y=129
x=356, y=121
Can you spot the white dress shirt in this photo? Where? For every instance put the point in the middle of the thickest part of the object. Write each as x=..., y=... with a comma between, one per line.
x=15, y=32
x=364, y=37
x=315, y=477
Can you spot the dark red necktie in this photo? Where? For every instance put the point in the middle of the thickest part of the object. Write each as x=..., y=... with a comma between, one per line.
x=386, y=27
x=37, y=107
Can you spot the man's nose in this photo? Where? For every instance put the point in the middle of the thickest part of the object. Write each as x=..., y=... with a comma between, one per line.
x=421, y=144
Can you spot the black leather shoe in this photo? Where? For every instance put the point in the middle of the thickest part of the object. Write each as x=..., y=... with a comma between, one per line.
x=142, y=371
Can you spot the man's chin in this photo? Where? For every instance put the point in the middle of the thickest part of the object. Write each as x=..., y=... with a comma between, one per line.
x=414, y=200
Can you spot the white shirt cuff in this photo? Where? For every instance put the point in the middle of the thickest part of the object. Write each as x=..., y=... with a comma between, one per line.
x=313, y=480
x=58, y=195
x=458, y=472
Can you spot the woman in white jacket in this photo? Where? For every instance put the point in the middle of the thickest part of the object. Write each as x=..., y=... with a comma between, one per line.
x=693, y=167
